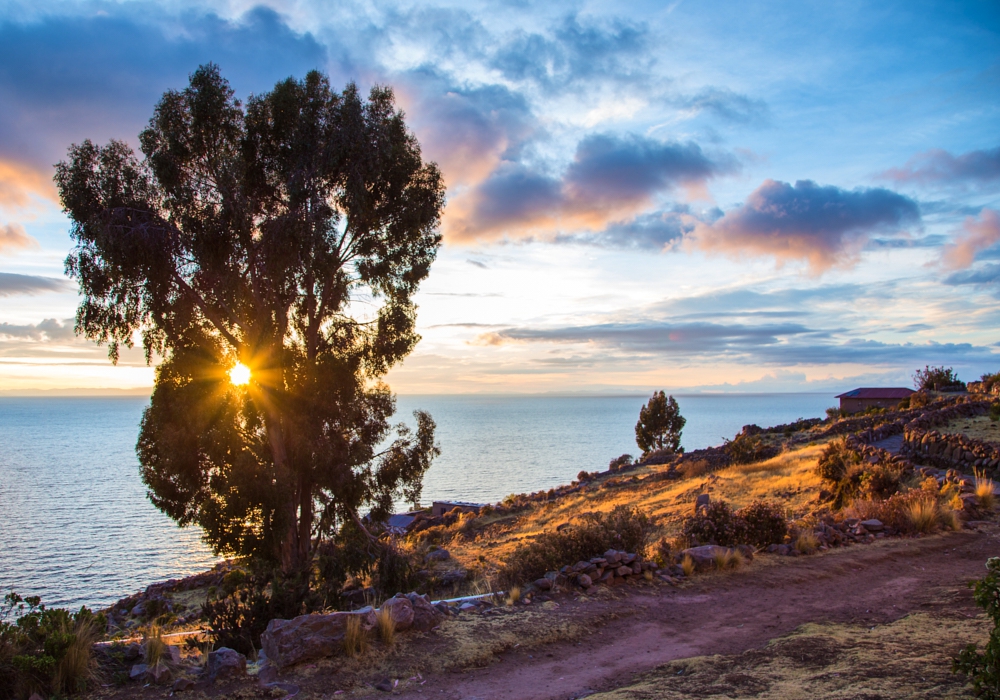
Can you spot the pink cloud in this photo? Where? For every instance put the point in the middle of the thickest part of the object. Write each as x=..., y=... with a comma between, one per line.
x=977, y=235
x=13, y=237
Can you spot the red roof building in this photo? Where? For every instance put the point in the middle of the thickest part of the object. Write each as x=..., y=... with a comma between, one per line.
x=864, y=398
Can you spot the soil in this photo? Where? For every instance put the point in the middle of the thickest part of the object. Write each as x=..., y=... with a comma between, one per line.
x=879, y=620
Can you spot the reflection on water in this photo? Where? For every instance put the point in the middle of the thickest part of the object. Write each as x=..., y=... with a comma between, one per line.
x=76, y=526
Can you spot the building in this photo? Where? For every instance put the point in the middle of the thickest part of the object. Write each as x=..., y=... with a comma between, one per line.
x=862, y=399
x=442, y=507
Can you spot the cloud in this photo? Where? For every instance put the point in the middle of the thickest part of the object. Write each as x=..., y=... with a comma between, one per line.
x=11, y=284
x=13, y=237
x=978, y=235
x=983, y=275
x=48, y=330
x=19, y=183
x=940, y=167
x=821, y=225
x=727, y=105
x=612, y=178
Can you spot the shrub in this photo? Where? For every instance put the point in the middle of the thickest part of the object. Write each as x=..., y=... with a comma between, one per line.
x=619, y=462
x=687, y=565
x=923, y=515
x=935, y=378
x=919, y=399
x=836, y=461
x=46, y=650
x=880, y=482
x=834, y=412
x=763, y=523
x=355, y=636
x=624, y=528
x=989, y=381
x=714, y=524
x=806, y=543
x=995, y=411
x=983, y=668
x=747, y=449
x=984, y=491
x=386, y=626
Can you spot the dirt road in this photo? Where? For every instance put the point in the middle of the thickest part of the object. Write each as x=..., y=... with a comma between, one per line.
x=731, y=613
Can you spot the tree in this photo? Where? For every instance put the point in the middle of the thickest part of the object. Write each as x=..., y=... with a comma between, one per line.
x=660, y=424
x=935, y=378
x=287, y=235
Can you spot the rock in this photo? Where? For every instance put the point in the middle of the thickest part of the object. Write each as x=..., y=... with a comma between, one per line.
x=36, y=696
x=133, y=652
x=438, y=555
x=702, y=500
x=746, y=550
x=401, y=611
x=181, y=684
x=385, y=685
x=584, y=581
x=628, y=558
x=454, y=576
x=425, y=616
x=636, y=567
x=268, y=673
x=468, y=607
x=307, y=637
x=543, y=584
x=608, y=575
x=138, y=671
x=704, y=556
x=581, y=565
x=138, y=611
x=226, y=663
x=612, y=557
x=623, y=571
x=873, y=525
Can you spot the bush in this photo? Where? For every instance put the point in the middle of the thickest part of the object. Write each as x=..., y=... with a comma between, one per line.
x=989, y=381
x=880, y=482
x=836, y=461
x=49, y=651
x=619, y=462
x=714, y=524
x=983, y=668
x=747, y=449
x=834, y=412
x=624, y=529
x=936, y=379
x=764, y=524
x=995, y=411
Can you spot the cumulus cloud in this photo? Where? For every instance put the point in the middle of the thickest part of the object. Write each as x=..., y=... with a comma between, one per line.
x=821, y=225
x=977, y=234
x=12, y=284
x=727, y=105
x=611, y=179
x=13, y=237
x=19, y=183
x=938, y=167
x=48, y=330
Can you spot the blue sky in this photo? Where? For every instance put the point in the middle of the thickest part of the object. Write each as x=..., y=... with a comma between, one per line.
x=691, y=196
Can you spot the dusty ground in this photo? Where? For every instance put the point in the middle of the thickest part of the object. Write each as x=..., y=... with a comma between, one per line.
x=876, y=621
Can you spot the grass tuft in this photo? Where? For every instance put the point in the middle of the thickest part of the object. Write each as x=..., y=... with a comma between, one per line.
x=923, y=515
x=687, y=565
x=78, y=667
x=355, y=637
x=154, y=649
x=648, y=575
x=984, y=491
x=513, y=595
x=806, y=543
x=386, y=626
x=950, y=520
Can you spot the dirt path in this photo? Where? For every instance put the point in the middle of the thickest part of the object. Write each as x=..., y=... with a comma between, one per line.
x=731, y=613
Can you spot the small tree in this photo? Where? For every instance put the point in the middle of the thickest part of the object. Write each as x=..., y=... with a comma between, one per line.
x=935, y=378
x=660, y=424
x=983, y=667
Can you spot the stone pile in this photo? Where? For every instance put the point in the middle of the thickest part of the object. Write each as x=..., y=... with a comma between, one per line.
x=610, y=569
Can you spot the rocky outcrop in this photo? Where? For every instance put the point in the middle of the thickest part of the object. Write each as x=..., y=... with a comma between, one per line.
x=307, y=637
x=226, y=663
x=401, y=610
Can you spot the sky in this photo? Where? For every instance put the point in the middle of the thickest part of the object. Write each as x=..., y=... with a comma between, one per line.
x=691, y=196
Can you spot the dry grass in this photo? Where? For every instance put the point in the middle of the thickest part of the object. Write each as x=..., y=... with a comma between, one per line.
x=648, y=575
x=950, y=520
x=924, y=515
x=386, y=626
x=78, y=667
x=806, y=543
x=984, y=491
x=687, y=565
x=355, y=637
x=728, y=559
x=154, y=649
x=978, y=428
x=513, y=595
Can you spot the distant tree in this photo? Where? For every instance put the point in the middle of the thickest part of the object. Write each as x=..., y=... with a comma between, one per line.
x=934, y=378
x=287, y=234
x=660, y=424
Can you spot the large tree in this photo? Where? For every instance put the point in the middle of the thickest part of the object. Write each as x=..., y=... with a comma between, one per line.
x=660, y=424
x=287, y=234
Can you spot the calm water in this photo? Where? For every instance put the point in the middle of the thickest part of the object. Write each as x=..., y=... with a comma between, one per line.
x=76, y=527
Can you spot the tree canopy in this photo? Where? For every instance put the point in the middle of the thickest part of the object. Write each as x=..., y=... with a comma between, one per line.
x=660, y=424
x=287, y=234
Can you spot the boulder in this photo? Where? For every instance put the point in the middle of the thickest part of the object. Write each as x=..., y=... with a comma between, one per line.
x=425, y=615
x=704, y=556
x=181, y=684
x=401, y=611
x=623, y=571
x=543, y=584
x=873, y=525
x=702, y=500
x=226, y=663
x=468, y=607
x=138, y=671
x=307, y=637
x=438, y=555
x=584, y=581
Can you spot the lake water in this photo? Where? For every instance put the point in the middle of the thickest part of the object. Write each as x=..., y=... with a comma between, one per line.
x=76, y=526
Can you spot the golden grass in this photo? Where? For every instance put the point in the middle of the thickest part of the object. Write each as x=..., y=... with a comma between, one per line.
x=923, y=515
x=355, y=637
x=386, y=626
x=648, y=575
x=728, y=559
x=154, y=649
x=687, y=565
x=950, y=520
x=513, y=595
x=806, y=543
x=984, y=491
x=978, y=428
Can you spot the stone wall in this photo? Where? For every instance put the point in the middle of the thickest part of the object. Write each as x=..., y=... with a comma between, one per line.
x=925, y=445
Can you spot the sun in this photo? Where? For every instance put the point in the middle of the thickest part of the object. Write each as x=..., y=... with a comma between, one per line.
x=240, y=374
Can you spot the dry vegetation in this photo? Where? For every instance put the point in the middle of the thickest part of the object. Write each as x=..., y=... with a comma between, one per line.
x=979, y=428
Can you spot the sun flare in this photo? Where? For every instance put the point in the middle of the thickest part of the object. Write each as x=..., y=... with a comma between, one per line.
x=240, y=374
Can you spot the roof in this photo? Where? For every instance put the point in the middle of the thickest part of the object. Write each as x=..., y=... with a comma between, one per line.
x=877, y=393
